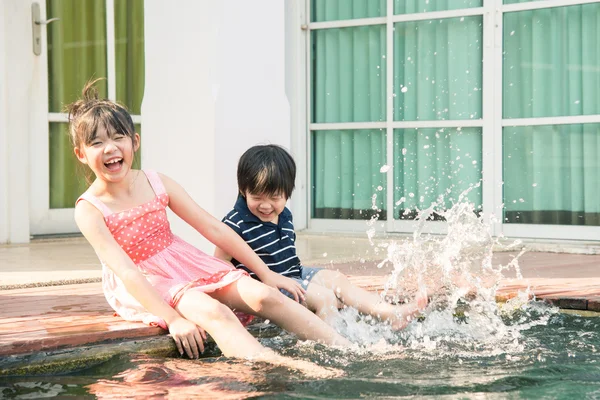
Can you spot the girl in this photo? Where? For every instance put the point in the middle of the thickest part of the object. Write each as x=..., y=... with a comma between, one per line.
x=151, y=275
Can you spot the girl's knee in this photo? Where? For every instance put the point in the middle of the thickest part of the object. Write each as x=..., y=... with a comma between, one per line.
x=264, y=297
x=213, y=310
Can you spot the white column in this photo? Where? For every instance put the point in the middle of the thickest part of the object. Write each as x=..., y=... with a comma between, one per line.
x=215, y=85
x=4, y=227
x=15, y=71
x=296, y=92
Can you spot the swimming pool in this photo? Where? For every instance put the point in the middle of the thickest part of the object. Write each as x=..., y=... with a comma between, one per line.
x=547, y=355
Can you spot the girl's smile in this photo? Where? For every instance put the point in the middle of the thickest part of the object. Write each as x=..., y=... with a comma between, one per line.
x=114, y=164
x=109, y=156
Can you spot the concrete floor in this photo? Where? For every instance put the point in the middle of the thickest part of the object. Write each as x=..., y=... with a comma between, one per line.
x=73, y=260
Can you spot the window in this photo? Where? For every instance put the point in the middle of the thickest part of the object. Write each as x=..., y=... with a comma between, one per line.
x=438, y=97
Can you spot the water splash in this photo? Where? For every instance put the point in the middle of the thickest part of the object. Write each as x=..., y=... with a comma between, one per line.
x=457, y=271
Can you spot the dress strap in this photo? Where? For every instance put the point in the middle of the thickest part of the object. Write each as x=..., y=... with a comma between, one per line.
x=155, y=182
x=96, y=202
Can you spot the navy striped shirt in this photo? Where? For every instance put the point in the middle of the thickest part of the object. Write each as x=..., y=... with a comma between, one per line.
x=274, y=244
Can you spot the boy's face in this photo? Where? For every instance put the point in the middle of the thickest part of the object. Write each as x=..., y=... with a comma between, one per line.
x=266, y=207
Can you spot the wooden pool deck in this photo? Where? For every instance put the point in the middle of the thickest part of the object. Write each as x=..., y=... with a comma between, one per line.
x=43, y=319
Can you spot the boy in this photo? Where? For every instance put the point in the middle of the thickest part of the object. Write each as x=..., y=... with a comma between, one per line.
x=266, y=176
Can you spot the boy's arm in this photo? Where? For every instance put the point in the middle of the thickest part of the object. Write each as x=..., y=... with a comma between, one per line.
x=224, y=237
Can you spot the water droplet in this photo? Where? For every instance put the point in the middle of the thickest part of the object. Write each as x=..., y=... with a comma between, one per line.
x=384, y=168
x=404, y=89
x=324, y=254
x=512, y=33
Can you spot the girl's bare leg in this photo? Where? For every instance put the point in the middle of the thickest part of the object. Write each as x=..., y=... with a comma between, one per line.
x=233, y=339
x=367, y=302
x=221, y=323
x=252, y=297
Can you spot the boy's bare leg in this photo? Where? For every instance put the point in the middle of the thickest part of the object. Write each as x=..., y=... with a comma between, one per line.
x=367, y=302
x=252, y=297
x=323, y=302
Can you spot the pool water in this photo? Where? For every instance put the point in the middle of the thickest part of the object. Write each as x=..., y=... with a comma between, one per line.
x=553, y=355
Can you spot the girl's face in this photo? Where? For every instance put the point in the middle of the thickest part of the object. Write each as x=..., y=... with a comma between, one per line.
x=109, y=156
x=266, y=207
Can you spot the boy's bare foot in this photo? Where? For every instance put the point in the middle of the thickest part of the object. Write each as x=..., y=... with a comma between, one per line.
x=407, y=312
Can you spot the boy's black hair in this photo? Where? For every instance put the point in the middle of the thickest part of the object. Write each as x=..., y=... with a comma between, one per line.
x=266, y=169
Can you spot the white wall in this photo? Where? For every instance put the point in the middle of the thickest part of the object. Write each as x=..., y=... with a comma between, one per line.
x=4, y=227
x=215, y=85
x=16, y=71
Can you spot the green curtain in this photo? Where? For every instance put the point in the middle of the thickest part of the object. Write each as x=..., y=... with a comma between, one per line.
x=349, y=70
x=551, y=68
x=419, y=6
x=433, y=162
x=330, y=10
x=437, y=76
x=130, y=59
x=438, y=69
x=77, y=52
x=346, y=174
x=129, y=53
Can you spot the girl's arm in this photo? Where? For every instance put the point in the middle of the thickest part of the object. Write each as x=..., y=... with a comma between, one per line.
x=221, y=255
x=91, y=223
x=225, y=238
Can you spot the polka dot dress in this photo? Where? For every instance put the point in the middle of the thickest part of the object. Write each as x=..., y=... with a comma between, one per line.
x=170, y=264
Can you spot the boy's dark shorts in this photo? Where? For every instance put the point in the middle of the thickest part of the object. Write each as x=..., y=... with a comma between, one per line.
x=306, y=275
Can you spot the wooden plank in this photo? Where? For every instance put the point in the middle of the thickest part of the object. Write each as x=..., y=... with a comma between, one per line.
x=21, y=346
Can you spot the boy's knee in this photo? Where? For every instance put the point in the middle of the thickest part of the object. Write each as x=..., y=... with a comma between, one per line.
x=329, y=278
x=322, y=298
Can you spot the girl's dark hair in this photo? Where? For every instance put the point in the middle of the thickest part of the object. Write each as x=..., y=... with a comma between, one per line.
x=89, y=113
x=266, y=169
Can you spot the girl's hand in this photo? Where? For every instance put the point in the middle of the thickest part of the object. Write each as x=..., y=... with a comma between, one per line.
x=188, y=337
x=277, y=281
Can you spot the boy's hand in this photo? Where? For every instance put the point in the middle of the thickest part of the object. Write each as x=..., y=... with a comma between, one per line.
x=281, y=282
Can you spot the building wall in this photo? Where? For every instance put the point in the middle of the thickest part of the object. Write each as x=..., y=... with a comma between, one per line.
x=215, y=85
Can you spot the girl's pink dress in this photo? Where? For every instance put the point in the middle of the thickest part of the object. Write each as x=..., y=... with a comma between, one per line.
x=170, y=264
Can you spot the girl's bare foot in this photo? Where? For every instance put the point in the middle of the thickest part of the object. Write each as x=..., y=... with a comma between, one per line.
x=307, y=368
